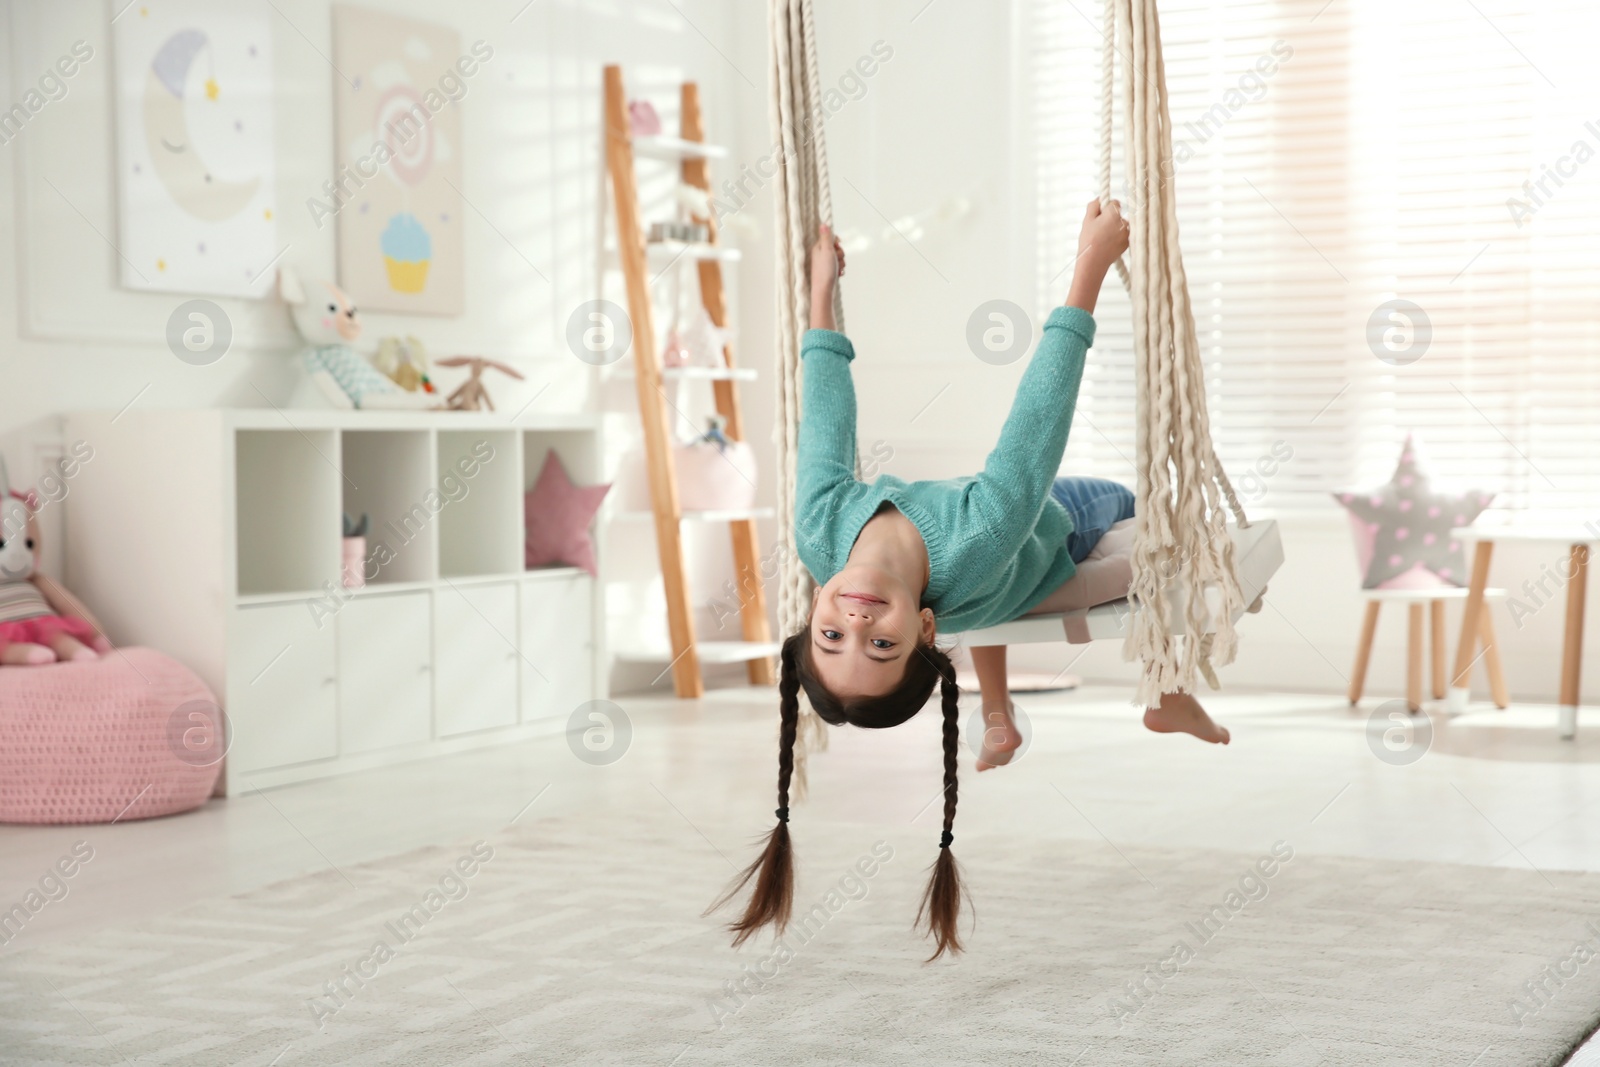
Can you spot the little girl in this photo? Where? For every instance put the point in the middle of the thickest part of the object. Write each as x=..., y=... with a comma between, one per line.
x=897, y=559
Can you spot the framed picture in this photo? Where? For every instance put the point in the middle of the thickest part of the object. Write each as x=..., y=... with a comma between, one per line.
x=196, y=180
x=399, y=85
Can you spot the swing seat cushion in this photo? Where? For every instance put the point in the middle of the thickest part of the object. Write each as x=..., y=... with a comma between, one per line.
x=1102, y=577
x=1258, y=553
x=103, y=740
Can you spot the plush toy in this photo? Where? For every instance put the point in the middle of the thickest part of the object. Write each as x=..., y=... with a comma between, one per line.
x=1403, y=528
x=704, y=341
x=642, y=119
x=405, y=361
x=715, y=473
x=336, y=375
x=471, y=395
x=674, y=353
x=40, y=622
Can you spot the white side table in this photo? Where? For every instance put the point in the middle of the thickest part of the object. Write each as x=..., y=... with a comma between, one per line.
x=1577, y=539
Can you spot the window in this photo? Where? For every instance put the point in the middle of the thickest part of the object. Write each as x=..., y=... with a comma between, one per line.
x=1364, y=257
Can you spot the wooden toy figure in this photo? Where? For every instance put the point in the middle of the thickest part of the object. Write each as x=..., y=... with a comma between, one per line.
x=471, y=394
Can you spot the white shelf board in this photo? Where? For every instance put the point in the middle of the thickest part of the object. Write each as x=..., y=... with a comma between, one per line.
x=380, y=588
x=385, y=588
x=246, y=600
x=714, y=374
x=663, y=254
x=669, y=250
x=730, y=515
x=708, y=651
x=267, y=418
x=490, y=578
x=552, y=573
x=701, y=374
x=1448, y=592
x=1557, y=533
x=663, y=147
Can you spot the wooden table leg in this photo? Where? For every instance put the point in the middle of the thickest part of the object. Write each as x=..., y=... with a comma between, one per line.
x=1460, y=681
x=1414, y=660
x=1491, y=660
x=1572, y=644
x=1358, y=673
x=1437, y=636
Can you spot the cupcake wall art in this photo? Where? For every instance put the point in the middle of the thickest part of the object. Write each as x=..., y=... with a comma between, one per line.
x=399, y=87
x=196, y=166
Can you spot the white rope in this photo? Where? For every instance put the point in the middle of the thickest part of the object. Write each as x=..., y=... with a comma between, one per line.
x=801, y=201
x=1183, y=494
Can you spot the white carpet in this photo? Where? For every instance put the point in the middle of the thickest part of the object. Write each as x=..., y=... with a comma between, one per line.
x=580, y=941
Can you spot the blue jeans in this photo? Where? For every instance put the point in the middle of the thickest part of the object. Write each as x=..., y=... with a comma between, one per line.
x=1093, y=504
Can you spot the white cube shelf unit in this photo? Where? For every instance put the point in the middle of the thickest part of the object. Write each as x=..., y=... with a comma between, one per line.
x=215, y=536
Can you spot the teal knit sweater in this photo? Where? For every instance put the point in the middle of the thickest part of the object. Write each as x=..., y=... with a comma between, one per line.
x=997, y=542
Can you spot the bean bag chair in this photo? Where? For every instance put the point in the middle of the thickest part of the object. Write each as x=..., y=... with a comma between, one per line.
x=131, y=735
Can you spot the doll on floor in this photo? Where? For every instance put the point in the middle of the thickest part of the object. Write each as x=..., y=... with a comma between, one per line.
x=40, y=622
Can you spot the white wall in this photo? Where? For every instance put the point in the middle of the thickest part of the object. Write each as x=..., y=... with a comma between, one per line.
x=82, y=341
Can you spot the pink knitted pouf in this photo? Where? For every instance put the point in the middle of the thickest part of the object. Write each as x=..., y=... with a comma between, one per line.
x=111, y=739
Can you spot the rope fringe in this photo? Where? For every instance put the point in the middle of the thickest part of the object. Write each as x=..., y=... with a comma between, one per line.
x=1181, y=543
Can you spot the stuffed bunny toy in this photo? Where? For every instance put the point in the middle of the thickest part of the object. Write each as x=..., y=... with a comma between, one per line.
x=40, y=622
x=336, y=375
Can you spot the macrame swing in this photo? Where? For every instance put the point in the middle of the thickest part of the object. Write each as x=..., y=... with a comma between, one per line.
x=1184, y=550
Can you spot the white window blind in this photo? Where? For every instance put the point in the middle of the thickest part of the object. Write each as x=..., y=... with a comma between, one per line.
x=1333, y=158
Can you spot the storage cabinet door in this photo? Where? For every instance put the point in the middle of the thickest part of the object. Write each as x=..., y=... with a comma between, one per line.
x=282, y=687
x=557, y=645
x=385, y=671
x=475, y=657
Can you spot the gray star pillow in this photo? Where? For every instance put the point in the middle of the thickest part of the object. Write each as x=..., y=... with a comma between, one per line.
x=1405, y=526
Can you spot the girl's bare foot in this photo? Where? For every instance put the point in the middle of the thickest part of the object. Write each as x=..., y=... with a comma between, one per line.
x=1180, y=713
x=1001, y=738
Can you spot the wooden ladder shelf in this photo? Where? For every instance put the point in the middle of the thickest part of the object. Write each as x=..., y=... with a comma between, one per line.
x=756, y=649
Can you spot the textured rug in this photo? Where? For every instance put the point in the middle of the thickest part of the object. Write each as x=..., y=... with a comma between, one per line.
x=580, y=942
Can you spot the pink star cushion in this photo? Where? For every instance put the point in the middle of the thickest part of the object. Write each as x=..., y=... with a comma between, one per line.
x=1402, y=529
x=556, y=516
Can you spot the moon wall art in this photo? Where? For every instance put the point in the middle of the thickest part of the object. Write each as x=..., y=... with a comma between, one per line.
x=399, y=160
x=196, y=167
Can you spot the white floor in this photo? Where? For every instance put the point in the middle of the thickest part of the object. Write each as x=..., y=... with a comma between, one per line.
x=1493, y=788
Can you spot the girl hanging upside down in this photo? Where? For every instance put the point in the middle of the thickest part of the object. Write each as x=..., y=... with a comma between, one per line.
x=896, y=560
